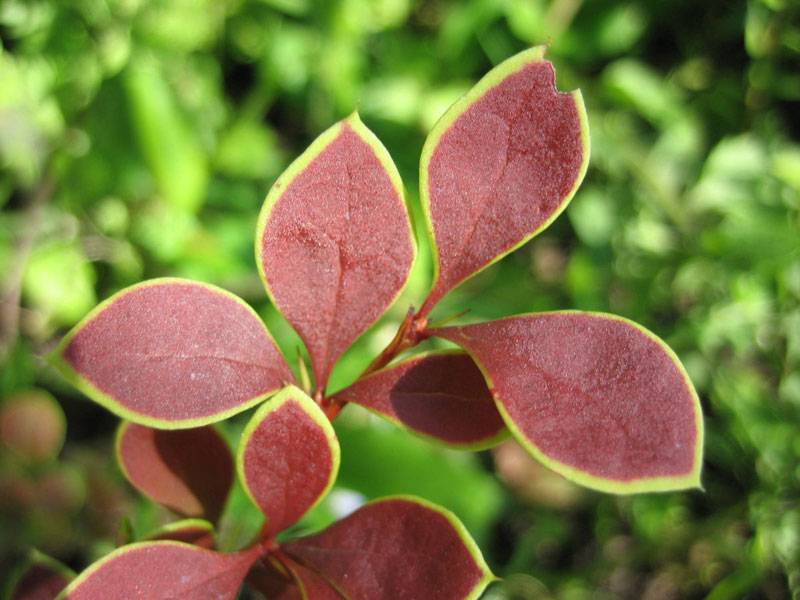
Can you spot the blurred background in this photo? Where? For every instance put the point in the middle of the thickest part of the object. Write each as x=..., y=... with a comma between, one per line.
x=138, y=139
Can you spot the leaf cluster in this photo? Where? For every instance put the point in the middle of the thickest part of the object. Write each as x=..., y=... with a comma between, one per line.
x=595, y=397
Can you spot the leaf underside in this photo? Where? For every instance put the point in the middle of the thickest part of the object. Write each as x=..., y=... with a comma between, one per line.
x=395, y=548
x=273, y=581
x=594, y=396
x=499, y=166
x=163, y=570
x=334, y=242
x=288, y=458
x=189, y=471
x=173, y=353
x=441, y=395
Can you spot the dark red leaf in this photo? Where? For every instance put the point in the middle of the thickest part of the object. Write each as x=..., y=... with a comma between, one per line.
x=41, y=579
x=196, y=532
x=442, y=395
x=172, y=353
x=273, y=581
x=597, y=398
x=288, y=458
x=189, y=471
x=334, y=243
x=163, y=571
x=39, y=583
x=396, y=548
x=499, y=166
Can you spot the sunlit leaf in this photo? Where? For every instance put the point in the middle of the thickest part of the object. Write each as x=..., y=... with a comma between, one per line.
x=500, y=166
x=398, y=547
x=595, y=397
x=288, y=458
x=334, y=243
x=162, y=571
x=172, y=353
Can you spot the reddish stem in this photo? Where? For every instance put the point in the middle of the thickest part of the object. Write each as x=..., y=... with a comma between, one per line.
x=410, y=333
x=332, y=407
x=267, y=542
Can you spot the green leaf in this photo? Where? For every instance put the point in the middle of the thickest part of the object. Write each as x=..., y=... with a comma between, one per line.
x=176, y=160
x=418, y=468
x=59, y=282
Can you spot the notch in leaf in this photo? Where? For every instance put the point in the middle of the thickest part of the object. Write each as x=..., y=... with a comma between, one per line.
x=597, y=398
x=334, y=244
x=399, y=547
x=189, y=471
x=288, y=458
x=439, y=395
x=500, y=166
x=172, y=353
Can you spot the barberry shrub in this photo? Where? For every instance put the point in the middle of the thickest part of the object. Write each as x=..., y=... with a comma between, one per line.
x=595, y=397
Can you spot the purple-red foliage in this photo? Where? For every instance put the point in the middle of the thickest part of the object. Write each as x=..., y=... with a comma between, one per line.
x=594, y=396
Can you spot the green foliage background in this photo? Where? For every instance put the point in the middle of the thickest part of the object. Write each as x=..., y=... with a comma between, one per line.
x=138, y=139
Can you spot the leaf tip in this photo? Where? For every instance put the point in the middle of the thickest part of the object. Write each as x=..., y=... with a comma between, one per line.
x=694, y=480
x=354, y=119
x=534, y=53
x=54, y=357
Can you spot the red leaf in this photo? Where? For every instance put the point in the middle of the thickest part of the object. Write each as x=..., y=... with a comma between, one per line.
x=163, y=570
x=41, y=579
x=39, y=583
x=442, y=396
x=334, y=243
x=396, y=548
x=172, y=353
x=500, y=166
x=288, y=458
x=189, y=471
x=196, y=532
x=595, y=397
